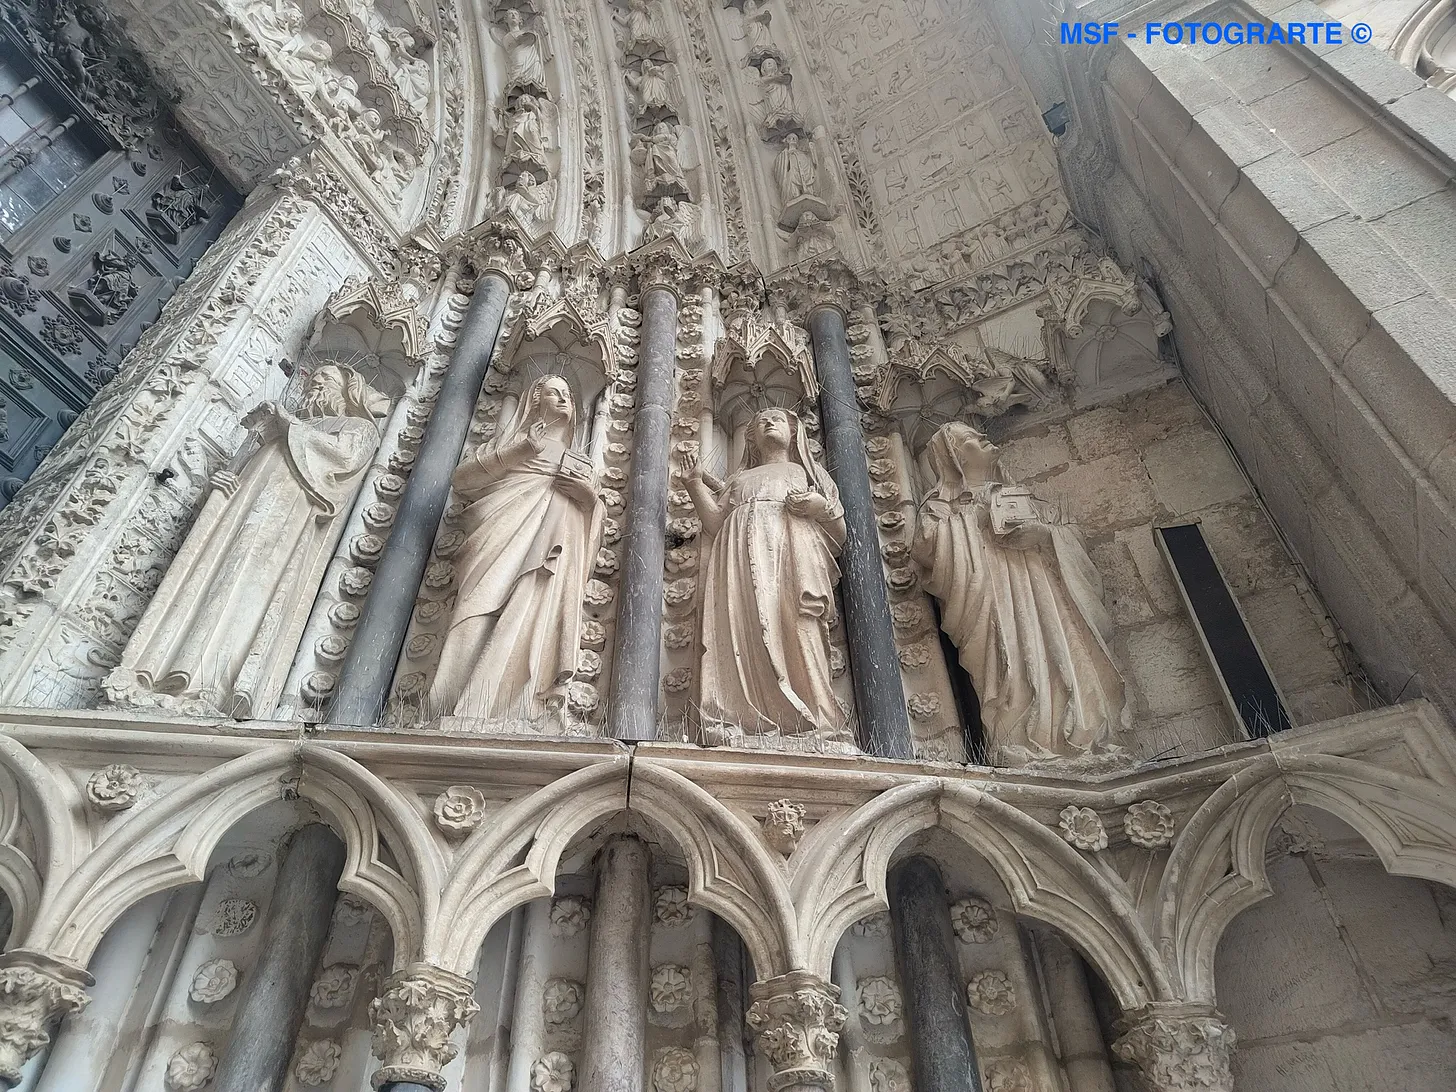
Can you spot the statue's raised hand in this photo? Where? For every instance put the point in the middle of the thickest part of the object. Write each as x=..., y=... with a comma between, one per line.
x=807, y=503
x=692, y=469
x=536, y=435
x=225, y=482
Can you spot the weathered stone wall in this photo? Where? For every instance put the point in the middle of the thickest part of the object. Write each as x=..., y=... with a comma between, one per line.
x=1365, y=1000
x=1120, y=470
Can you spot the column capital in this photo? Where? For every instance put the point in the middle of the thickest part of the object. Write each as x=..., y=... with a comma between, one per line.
x=36, y=990
x=796, y=1019
x=1179, y=1047
x=413, y=1018
x=495, y=247
x=824, y=284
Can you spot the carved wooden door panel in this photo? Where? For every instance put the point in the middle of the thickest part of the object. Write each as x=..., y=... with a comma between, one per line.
x=104, y=208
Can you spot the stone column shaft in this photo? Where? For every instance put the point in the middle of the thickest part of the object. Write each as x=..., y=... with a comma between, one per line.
x=636, y=659
x=1083, y=1053
x=374, y=649
x=728, y=969
x=879, y=694
x=614, y=1010
x=275, y=994
x=935, y=1000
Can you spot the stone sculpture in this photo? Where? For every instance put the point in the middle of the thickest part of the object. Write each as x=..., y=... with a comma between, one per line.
x=773, y=532
x=532, y=526
x=1023, y=603
x=222, y=629
x=525, y=53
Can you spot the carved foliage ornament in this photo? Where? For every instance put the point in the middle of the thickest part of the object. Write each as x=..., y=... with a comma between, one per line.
x=879, y=1000
x=675, y=1070
x=318, y=1062
x=114, y=788
x=413, y=1019
x=459, y=810
x=553, y=1072
x=191, y=1068
x=797, y=1019
x=214, y=980
x=974, y=920
x=1082, y=828
x=32, y=998
x=1180, y=1052
x=1149, y=824
x=991, y=993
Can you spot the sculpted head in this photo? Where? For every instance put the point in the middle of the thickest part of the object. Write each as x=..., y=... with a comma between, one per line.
x=961, y=458
x=336, y=391
x=513, y=19
x=553, y=400
x=771, y=432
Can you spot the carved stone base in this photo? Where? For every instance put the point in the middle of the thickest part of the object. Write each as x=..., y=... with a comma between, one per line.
x=796, y=1019
x=1179, y=1048
x=36, y=991
x=414, y=1017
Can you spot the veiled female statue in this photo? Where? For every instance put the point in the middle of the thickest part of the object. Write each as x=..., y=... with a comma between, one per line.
x=771, y=534
x=532, y=529
x=222, y=629
x=1023, y=603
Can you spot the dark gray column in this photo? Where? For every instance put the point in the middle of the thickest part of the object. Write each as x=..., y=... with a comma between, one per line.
x=878, y=693
x=1079, y=1036
x=935, y=1000
x=374, y=649
x=728, y=963
x=637, y=649
x=275, y=994
x=614, y=1011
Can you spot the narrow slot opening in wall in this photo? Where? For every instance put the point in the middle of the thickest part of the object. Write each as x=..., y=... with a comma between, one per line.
x=967, y=701
x=1242, y=671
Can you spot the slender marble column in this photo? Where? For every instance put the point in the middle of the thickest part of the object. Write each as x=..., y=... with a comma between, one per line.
x=935, y=1002
x=879, y=695
x=275, y=994
x=374, y=649
x=1083, y=1051
x=632, y=708
x=728, y=964
x=614, y=1011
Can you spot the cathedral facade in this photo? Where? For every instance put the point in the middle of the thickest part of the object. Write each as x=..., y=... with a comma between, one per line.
x=727, y=545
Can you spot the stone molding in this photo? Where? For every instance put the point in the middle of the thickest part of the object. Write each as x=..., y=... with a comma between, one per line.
x=1152, y=948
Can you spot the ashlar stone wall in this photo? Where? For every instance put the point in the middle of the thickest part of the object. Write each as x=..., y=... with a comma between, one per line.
x=1155, y=458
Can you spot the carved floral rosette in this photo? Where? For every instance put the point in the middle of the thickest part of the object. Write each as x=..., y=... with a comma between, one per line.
x=36, y=990
x=796, y=1019
x=1179, y=1048
x=413, y=1018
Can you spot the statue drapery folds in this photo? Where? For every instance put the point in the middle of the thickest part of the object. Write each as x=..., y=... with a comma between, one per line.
x=222, y=629
x=772, y=533
x=533, y=522
x=1022, y=601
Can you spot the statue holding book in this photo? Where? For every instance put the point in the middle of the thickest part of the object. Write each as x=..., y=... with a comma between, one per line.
x=533, y=525
x=1022, y=601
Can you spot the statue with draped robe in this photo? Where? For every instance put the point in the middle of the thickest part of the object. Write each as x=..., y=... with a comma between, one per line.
x=1022, y=601
x=532, y=525
x=223, y=627
x=771, y=536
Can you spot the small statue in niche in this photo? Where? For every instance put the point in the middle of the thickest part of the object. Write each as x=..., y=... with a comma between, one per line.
x=796, y=173
x=523, y=131
x=681, y=219
x=777, y=104
x=532, y=529
x=771, y=535
x=651, y=87
x=525, y=53
x=643, y=23
x=657, y=156
x=222, y=629
x=530, y=200
x=1022, y=602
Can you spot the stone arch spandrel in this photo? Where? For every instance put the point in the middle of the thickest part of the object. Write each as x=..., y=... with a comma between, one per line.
x=169, y=842
x=514, y=859
x=32, y=799
x=1218, y=867
x=730, y=870
x=841, y=877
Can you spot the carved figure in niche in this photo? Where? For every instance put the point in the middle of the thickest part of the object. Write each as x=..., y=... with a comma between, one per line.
x=1023, y=603
x=525, y=53
x=772, y=533
x=779, y=111
x=521, y=131
x=108, y=292
x=651, y=87
x=529, y=200
x=176, y=207
x=532, y=529
x=756, y=19
x=657, y=155
x=221, y=630
x=275, y=22
x=305, y=62
x=681, y=219
x=644, y=22
x=812, y=237
x=796, y=173
x=412, y=74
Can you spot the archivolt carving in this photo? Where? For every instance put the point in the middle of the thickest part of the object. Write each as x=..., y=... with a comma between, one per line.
x=1217, y=867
